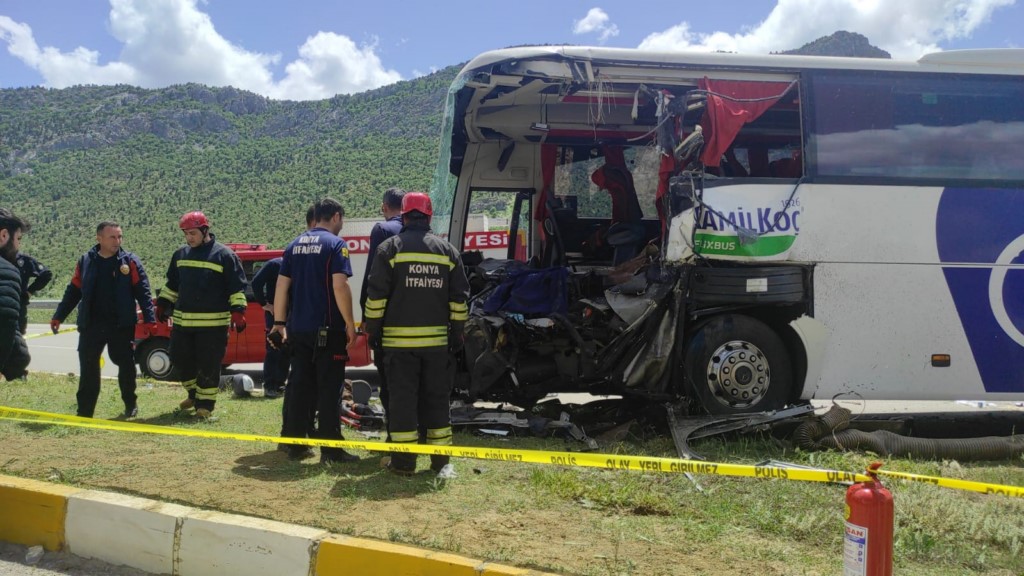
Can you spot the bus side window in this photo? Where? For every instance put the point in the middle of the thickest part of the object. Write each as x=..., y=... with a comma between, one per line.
x=757, y=157
x=786, y=167
x=731, y=166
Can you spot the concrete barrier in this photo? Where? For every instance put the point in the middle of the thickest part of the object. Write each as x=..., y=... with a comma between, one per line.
x=163, y=538
x=121, y=529
x=348, y=555
x=33, y=512
x=213, y=543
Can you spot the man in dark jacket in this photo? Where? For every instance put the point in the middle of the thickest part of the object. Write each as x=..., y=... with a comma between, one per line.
x=415, y=311
x=14, y=356
x=206, y=288
x=391, y=208
x=34, y=277
x=107, y=283
x=275, y=362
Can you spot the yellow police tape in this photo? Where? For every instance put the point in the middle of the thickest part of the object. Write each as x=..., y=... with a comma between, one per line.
x=580, y=459
x=60, y=331
x=971, y=486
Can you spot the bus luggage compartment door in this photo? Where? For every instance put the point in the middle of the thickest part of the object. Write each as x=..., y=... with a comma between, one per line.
x=750, y=285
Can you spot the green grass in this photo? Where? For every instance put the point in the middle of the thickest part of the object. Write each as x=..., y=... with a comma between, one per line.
x=569, y=520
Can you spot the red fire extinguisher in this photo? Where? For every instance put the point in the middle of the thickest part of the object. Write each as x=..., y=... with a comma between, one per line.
x=867, y=546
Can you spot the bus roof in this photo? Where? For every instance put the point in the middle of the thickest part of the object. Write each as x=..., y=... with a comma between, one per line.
x=987, y=61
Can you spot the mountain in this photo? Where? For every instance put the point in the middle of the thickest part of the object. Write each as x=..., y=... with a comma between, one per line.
x=841, y=43
x=71, y=158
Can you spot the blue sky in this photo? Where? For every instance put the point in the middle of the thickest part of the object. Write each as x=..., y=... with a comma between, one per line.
x=311, y=49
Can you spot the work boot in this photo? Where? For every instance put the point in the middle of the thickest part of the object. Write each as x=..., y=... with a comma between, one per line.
x=203, y=413
x=338, y=457
x=187, y=404
x=300, y=452
x=385, y=463
x=437, y=463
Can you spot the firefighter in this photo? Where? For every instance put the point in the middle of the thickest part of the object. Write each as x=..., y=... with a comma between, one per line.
x=275, y=362
x=391, y=209
x=206, y=289
x=313, y=314
x=415, y=312
x=107, y=283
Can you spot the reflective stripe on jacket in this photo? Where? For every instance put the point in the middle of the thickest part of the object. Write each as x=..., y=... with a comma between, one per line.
x=205, y=285
x=417, y=290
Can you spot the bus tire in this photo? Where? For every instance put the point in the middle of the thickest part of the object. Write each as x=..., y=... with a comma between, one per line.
x=154, y=358
x=736, y=364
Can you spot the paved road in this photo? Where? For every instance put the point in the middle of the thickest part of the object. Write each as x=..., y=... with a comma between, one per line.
x=12, y=563
x=59, y=354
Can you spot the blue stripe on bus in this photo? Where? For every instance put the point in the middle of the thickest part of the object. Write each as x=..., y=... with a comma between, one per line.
x=978, y=226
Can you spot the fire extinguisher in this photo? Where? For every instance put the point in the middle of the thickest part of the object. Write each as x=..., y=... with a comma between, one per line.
x=867, y=545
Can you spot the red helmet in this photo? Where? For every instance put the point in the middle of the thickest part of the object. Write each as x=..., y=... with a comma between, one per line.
x=417, y=202
x=193, y=220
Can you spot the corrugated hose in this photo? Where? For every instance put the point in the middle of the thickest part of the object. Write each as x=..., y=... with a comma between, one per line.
x=831, y=431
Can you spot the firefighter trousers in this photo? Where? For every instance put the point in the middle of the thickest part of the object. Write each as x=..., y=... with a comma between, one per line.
x=118, y=342
x=419, y=384
x=318, y=374
x=198, y=353
x=275, y=361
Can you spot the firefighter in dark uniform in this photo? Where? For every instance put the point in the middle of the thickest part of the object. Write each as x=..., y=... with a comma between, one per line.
x=275, y=362
x=206, y=288
x=391, y=209
x=107, y=284
x=313, y=315
x=415, y=311
x=34, y=277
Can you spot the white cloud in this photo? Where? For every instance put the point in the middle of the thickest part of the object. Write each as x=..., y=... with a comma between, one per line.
x=331, y=64
x=416, y=73
x=168, y=42
x=596, y=20
x=62, y=69
x=907, y=31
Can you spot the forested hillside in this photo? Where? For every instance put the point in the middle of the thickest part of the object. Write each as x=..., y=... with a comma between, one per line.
x=73, y=157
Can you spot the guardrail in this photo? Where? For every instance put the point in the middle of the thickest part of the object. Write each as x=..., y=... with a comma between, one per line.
x=43, y=304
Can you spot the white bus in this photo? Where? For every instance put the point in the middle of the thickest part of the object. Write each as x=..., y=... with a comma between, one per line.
x=745, y=231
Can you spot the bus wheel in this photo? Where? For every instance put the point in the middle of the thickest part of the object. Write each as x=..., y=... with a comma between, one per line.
x=154, y=358
x=737, y=364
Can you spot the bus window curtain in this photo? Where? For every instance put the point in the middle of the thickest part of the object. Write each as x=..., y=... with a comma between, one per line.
x=724, y=117
x=547, y=168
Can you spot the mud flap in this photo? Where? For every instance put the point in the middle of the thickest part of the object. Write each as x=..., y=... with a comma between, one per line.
x=813, y=336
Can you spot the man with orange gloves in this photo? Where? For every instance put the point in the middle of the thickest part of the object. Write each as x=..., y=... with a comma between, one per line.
x=107, y=283
x=206, y=288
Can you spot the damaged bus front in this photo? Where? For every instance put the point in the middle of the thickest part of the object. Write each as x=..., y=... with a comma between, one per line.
x=655, y=206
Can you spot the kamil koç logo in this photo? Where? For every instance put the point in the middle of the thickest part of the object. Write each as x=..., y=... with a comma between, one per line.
x=981, y=231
